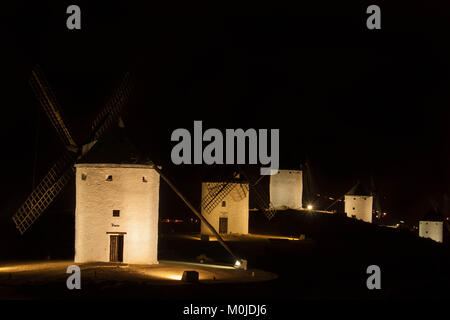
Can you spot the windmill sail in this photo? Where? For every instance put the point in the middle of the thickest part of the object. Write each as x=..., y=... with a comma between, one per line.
x=263, y=202
x=62, y=171
x=241, y=192
x=48, y=101
x=110, y=114
x=216, y=194
x=44, y=194
x=261, y=198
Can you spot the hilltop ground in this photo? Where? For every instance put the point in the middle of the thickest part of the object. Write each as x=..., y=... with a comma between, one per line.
x=329, y=261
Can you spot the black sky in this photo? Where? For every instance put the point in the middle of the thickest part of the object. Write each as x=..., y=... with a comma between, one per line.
x=354, y=102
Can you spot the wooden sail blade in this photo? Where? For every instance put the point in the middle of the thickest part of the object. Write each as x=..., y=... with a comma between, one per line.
x=48, y=101
x=260, y=197
x=216, y=194
x=111, y=112
x=263, y=202
x=44, y=194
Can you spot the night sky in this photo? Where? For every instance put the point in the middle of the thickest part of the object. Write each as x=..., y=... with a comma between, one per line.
x=352, y=102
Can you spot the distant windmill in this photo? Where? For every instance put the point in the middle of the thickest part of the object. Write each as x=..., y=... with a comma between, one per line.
x=63, y=170
x=219, y=191
x=358, y=202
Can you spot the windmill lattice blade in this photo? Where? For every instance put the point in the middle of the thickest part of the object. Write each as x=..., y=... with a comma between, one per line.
x=216, y=195
x=48, y=101
x=261, y=198
x=43, y=195
x=241, y=192
x=111, y=112
x=263, y=202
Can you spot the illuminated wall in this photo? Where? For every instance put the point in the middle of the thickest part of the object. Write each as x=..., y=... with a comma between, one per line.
x=132, y=189
x=359, y=207
x=286, y=189
x=234, y=207
x=431, y=229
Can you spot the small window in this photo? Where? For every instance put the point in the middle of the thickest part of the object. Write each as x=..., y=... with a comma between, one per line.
x=109, y=178
x=353, y=216
x=144, y=179
x=116, y=213
x=224, y=203
x=83, y=176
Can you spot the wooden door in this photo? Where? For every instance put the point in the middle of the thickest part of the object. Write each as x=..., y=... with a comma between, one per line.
x=223, y=225
x=116, y=248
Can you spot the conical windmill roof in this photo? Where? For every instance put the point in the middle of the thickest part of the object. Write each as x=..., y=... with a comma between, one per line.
x=224, y=173
x=358, y=190
x=433, y=215
x=115, y=147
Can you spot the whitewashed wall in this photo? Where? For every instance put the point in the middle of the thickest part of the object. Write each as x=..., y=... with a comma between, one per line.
x=137, y=201
x=359, y=206
x=236, y=210
x=431, y=229
x=286, y=189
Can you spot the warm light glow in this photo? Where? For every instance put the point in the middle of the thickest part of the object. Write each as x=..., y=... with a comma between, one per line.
x=237, y=264
x=309, y=207
x=174, y=277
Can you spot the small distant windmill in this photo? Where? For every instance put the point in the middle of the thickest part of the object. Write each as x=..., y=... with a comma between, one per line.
x=63, y=170
x=218, y=192
x=362, y=200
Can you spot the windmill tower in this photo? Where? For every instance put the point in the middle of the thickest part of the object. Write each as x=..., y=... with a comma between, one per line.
x=225, y=205
x=117, y=202
x=358, y=203
x=432, y=226
x=225, y=202
x=286, y=189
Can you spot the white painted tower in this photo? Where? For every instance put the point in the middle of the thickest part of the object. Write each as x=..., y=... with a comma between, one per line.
x=432, y=226
x=116, y=217
x=286, y=189
x=358, y=203
x=230, y=215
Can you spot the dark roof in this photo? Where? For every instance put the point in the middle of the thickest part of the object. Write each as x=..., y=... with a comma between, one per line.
x=224, y=173
x=433, y=215
x=358, y=190
x=114, y=147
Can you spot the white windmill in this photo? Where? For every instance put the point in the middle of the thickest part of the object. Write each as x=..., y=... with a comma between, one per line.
x=225, y=202
x=286, y=189
x=358, y=203
x=432, y=226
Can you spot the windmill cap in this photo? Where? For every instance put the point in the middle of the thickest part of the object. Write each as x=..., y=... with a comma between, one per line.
x=115, y=147
x=358, y=190
x=433, y=215
x=220, y=173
